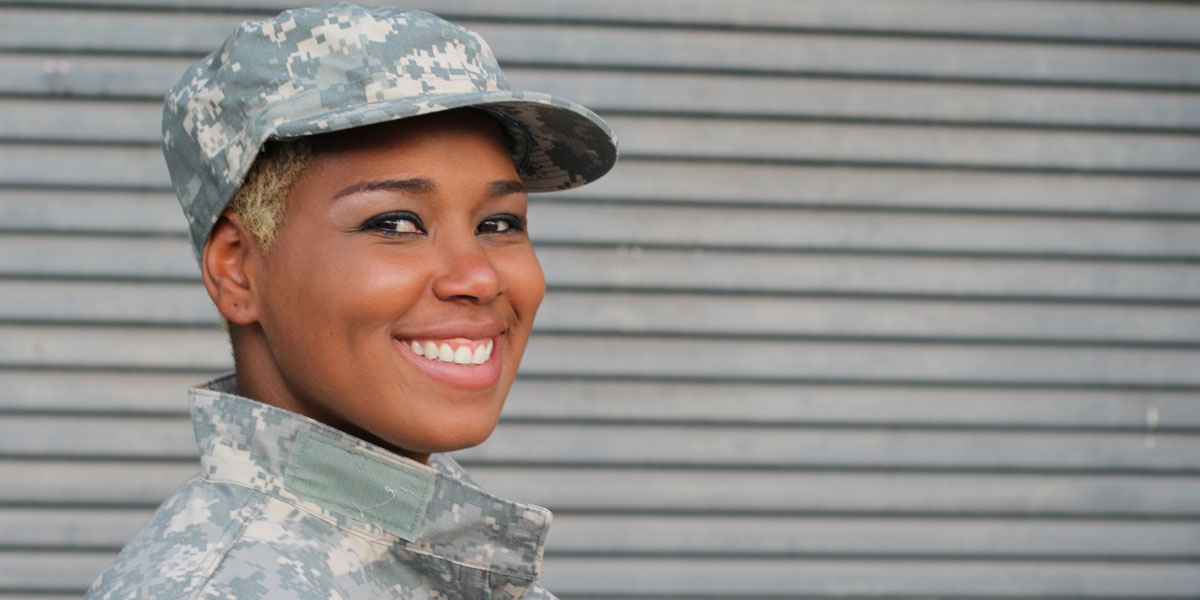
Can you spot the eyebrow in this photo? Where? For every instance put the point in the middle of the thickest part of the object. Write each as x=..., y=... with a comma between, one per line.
x=416, y=185
x=424, y=186
x=505, y=187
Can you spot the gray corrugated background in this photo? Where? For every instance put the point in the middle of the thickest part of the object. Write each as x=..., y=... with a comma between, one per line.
x=885, y=298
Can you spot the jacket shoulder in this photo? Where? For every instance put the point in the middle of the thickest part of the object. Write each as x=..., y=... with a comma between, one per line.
x=179, y=548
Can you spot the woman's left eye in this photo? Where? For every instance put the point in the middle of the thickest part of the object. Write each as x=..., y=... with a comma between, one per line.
x=501, y=224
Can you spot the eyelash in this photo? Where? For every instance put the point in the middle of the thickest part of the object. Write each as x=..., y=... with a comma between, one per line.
x=380, y=224
x=515, y=224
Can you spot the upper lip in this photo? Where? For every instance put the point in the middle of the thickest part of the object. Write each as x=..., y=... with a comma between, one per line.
x=472, y=330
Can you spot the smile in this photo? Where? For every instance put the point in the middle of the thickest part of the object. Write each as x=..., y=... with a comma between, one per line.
x=459, y=351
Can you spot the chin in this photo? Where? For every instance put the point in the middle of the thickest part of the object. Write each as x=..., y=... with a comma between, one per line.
x=462, y=442
x=441, y=432
x=436, y=445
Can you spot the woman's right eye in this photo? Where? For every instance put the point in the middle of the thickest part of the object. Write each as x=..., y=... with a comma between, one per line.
x=394, y=223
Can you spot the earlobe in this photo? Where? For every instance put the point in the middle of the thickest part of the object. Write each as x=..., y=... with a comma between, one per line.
x=226, y=268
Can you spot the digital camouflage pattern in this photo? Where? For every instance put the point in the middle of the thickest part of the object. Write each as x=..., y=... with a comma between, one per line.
x=287, y=507
x=338, y=66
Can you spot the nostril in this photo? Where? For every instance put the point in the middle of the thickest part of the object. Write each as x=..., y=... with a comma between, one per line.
x=468, y=276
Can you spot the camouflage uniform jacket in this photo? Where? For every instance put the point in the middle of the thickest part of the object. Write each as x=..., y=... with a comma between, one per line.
x=286, y=507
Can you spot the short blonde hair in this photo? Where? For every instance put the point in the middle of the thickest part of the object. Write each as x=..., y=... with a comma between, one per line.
x=260, y=201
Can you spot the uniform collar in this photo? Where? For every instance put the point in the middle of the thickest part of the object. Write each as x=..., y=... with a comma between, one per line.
x=431, y=509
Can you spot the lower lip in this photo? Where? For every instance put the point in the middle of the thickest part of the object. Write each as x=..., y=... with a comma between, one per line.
x=463, y=376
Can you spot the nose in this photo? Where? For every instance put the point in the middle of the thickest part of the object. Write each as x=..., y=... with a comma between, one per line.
x=466, y=272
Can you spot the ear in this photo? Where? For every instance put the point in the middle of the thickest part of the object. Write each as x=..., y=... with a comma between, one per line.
x=228, y=265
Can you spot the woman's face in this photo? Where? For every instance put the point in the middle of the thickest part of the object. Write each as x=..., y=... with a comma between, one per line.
x=400, y=293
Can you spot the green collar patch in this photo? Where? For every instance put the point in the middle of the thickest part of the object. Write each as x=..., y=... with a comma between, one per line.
x=388, y=494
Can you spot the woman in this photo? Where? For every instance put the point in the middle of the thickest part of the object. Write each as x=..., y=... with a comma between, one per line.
x=355, y=182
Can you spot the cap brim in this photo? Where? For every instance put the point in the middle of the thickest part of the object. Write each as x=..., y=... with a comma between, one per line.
x=565, y=144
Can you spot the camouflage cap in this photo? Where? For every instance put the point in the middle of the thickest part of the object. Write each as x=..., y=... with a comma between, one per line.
x=338, y=66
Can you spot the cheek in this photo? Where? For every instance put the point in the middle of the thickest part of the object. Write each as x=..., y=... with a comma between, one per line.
x=382, y=287
x=526, y=284
x=330, y=300
x=376, y=280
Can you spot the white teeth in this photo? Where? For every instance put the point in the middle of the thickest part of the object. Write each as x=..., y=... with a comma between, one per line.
x=443, y=352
